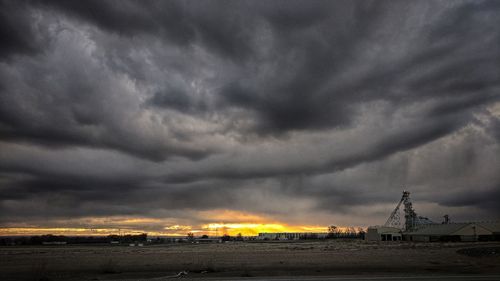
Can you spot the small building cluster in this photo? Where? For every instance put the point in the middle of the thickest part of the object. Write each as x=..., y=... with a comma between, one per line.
x=418, y=228
x=450, y=232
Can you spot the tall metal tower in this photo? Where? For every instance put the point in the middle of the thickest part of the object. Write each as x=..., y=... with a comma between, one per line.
x=411, y=219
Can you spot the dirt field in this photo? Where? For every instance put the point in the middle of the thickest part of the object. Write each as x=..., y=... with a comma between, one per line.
x=245, y=259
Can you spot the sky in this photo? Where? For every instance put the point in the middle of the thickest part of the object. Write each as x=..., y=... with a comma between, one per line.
x=245, y=116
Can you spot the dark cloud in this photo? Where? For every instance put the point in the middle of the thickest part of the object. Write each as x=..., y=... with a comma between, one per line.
x=223, y=30
x=18, y=29
x=485, y=199
x=152, y=107
x=125, y=18
x=449, y=69
x=173, y=99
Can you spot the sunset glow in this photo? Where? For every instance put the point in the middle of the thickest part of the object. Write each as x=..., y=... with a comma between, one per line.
x=251, y=229
x=221, y=222
x=213, y=229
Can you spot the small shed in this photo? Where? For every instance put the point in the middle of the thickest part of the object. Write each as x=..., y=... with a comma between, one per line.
x=383, y=233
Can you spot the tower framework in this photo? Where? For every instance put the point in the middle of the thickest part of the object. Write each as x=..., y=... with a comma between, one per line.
x=412, y=220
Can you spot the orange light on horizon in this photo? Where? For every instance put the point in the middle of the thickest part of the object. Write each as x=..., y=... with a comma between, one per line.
x=14, y=231
x=219, y=222
x=232, y=229
x=252, y=229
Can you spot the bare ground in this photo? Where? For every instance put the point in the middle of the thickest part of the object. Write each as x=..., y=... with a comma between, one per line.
x=245, y=259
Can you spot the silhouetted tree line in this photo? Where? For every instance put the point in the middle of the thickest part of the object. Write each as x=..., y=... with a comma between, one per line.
x=227, y=237
x=223, y=238
x=335, y=232
x=129, y=238
x=41, y=239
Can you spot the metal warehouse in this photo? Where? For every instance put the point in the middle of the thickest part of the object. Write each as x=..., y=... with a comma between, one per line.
x=477, y=231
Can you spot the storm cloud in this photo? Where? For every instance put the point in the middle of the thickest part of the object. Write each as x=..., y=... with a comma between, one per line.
x=288, y=109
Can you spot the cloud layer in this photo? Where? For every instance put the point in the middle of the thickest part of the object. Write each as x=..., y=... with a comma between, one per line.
x=302, y=112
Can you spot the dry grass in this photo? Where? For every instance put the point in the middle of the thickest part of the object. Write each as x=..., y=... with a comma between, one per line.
x=40, y=270
x=109, y=267
x=241, y=259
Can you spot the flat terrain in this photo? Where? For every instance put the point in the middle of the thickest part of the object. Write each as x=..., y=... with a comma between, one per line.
x=255, y=261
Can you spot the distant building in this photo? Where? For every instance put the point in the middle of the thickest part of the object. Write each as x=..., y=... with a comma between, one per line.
x=383, y=233
x=475, y=231
x=208, y=240
x=292, y=235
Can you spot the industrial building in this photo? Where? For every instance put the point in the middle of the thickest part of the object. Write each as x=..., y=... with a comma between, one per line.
x=418, y=228
x=477, y=231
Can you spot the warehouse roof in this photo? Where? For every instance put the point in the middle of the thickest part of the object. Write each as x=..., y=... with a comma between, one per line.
x=438, y=229
x=451, y=228
x=491, y=226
